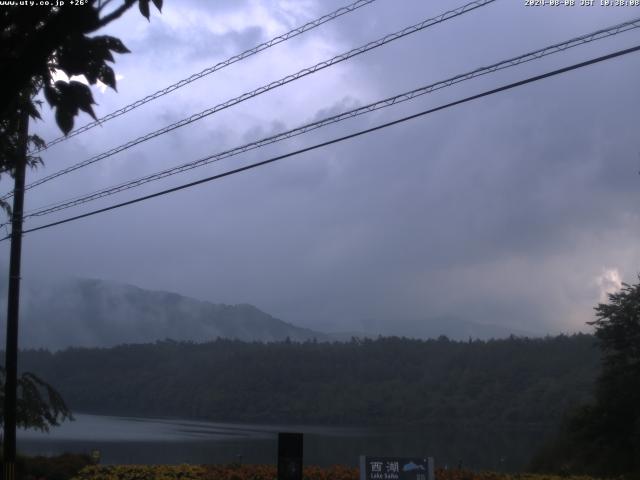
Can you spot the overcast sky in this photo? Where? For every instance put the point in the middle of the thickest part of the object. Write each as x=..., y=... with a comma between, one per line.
x=519, y=209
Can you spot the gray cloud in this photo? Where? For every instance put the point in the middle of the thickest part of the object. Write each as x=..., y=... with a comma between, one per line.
x=197, y=43
x=506, y=210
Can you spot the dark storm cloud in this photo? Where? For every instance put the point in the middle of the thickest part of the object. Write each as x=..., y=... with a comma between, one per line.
x=510, y=210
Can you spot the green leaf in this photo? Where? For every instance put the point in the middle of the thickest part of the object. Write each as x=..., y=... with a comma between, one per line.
x=67, y=107
x=92, y=71
x=64, y=119
x=158, y=4
x=37, y=141
x=107, y=76
x=143, y=5
x=113, y=43
x=75, y=55
x=100, y=51
x=33, y=111
x=51, y=94
x=82, y=97
x=61, y=85
x=86, y=55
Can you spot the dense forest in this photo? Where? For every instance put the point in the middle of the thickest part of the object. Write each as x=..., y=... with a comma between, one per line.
x=602, y=437
x=388, y=381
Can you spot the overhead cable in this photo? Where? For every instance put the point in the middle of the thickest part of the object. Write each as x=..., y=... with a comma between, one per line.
x=207, y=71
x=509, y=86
x=278, y=83
x=387, y=102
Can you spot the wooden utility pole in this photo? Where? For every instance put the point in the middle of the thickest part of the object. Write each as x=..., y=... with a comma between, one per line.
x=13, y=301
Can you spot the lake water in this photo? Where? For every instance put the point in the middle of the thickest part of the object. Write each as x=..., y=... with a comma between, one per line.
x=128, y=440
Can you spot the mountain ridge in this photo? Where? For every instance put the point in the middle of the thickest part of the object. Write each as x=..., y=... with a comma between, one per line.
x=97, y=313
x=90, y=312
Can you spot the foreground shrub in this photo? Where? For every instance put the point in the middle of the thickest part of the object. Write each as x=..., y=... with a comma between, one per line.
x=61, y=467
x=269, y=472
x=141, y=472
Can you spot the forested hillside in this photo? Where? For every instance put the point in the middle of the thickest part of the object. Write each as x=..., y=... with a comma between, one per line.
x=384, y=381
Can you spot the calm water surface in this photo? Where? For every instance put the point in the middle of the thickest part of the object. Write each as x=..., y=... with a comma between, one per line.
x=126, y=440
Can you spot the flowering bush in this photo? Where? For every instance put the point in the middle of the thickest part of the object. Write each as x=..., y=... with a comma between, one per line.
x=60, y=467
x=141, y=472
x=269, y=472
x=468, y=475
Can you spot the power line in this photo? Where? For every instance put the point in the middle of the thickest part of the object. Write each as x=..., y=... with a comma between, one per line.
x=207, y=71
x=340, y=139
x=265, y=88
x=387, y=102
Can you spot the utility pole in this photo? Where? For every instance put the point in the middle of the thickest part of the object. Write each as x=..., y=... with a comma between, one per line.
x=13, y=301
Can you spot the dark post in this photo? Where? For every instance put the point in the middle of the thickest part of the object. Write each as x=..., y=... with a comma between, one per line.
x=290, y=456
x=13, y=303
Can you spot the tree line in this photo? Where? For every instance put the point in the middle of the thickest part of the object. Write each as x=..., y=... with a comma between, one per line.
x=386, y=381
x=602, y=437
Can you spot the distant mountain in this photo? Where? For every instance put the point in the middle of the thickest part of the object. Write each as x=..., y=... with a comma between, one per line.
x=96, y=313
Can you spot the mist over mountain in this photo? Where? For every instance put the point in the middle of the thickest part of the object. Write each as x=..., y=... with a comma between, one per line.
x=96, y=313
x=56, y=314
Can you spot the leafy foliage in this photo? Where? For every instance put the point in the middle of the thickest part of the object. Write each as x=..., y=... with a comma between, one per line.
x=60, y=467
x=269, y=472
x=39, y=41
x=618, y=330
x=39, y=405
x=604, y=437
x=142, y=472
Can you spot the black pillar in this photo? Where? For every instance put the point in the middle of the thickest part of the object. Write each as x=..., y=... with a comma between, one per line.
x=290, y=447
x=13, y=303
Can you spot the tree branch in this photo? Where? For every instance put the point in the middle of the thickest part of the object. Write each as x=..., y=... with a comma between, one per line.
x=117, y=13
x=102, y=4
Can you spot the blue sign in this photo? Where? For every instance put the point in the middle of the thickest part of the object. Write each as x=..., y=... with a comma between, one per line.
x=396, y=468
